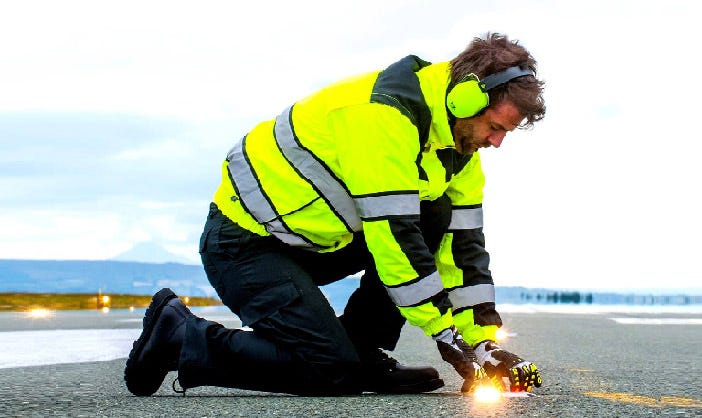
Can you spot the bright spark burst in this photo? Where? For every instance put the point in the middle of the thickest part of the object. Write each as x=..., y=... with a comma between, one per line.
x=486, y=394
x=503, y=334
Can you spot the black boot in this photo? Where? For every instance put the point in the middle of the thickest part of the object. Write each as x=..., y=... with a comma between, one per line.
x=157, y=350
x=383, y=374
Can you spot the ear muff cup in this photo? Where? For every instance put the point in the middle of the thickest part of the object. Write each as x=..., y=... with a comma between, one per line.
x=467, y=98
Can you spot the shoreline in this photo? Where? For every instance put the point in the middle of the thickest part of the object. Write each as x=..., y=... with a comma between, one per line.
x=24, y=301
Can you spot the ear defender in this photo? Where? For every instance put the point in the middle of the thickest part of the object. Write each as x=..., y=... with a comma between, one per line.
x=470, y=95
x=467, y=98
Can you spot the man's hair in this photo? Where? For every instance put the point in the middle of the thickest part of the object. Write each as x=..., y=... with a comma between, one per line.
x=495, y=53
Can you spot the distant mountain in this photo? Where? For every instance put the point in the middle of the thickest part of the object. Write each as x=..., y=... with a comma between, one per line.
x=151, y=252
x=75, y=276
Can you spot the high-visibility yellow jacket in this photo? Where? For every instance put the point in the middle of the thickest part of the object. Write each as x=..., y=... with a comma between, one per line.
x=360, y=155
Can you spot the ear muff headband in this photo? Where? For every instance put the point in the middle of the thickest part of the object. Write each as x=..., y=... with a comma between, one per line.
x=470, y=95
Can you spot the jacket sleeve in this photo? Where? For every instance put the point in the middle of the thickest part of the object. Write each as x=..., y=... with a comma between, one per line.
x=378, y=149
x=463, y=261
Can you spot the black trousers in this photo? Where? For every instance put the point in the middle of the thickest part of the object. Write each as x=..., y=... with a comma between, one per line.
x=298, y=345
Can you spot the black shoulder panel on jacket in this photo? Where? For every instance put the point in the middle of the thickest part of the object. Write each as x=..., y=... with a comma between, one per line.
x=452, y=160
x=398, y=86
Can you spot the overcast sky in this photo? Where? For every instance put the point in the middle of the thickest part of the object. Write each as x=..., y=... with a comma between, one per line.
x=115, y=117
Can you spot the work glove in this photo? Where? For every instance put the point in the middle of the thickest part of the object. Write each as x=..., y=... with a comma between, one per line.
x=459, y=354
x=508, y=371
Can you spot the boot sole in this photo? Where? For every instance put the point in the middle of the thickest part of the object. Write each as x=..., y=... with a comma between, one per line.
x=143, y=380
x=419, y=387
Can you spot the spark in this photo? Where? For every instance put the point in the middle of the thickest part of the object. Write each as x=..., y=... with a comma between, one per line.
x=487, y=394
x=503, y=334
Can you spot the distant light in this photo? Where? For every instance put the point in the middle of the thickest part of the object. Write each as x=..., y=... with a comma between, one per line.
x=105, y=309
x=131, y=309
x=186, y=300
x=487, y=394
x=40, y=313
x=105, y=299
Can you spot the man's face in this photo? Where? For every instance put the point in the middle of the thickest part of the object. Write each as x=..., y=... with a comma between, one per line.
x=486, y=129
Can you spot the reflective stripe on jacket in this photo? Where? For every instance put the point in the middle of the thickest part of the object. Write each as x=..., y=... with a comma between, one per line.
x=359, y=155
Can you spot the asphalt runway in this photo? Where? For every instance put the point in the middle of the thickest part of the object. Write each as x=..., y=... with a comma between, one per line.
x=592, y=366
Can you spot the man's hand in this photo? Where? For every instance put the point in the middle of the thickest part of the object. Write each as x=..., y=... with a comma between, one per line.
x=459, y=354
x=507, y=371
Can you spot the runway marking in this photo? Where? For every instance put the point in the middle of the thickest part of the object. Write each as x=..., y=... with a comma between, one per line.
x=647, y=401
x=676, y=401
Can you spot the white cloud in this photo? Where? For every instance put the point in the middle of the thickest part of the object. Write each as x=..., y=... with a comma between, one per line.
x=54, y=235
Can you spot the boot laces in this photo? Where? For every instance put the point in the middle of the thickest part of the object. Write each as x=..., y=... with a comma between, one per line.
x=379, y=357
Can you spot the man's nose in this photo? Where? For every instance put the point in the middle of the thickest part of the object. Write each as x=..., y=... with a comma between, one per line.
x=496, y=139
